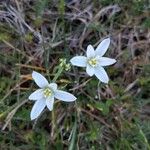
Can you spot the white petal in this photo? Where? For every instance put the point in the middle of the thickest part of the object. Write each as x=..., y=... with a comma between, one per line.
x=90, y=51
x=50, y=103
x=90, y=70
x=64, y=96
x=102, y=47
x=37, y=108
x=53, y=86
x=79, y=61
x=39, y=79
x=38, y=94
x=101, y=74
x=104, y=61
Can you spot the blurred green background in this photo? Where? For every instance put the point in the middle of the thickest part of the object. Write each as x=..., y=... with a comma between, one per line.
x=35, y=34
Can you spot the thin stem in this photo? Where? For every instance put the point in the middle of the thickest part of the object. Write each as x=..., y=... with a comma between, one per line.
x=60, y=70
x=53, y=123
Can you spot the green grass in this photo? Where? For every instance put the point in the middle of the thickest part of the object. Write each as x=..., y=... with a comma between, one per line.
x=113, y=116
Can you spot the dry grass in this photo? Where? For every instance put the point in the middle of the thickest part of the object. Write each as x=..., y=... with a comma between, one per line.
x=34, y=35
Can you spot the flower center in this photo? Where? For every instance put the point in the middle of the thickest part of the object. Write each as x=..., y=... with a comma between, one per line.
x=47, y=92
x=93, y=62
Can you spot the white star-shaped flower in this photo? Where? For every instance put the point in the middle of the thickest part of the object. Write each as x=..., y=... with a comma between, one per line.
x=46, y=94
x=94, y=62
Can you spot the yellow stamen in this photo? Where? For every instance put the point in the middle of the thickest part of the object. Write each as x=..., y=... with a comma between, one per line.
x=93, y=62
x=47, y=92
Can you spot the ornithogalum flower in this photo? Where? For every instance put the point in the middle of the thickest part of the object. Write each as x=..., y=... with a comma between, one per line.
x=45, y=95
x=94, y=61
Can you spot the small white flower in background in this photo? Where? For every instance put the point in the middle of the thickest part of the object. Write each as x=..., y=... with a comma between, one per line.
x=94, y=62
x=45, y=95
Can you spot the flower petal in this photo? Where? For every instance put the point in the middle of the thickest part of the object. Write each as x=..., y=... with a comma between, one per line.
x=90, y=70
x=53, y=86
x=37, y=108
x=101, y=74
x=104, y=61
x=90, y=51
x=39, y=79
x=50, y=103
x=79, y=61
x=64, y=96
x=38, y=94
x=102, y=47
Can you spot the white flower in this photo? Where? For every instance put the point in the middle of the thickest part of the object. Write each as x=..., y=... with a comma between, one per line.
x=46, y=94
x=94, y=62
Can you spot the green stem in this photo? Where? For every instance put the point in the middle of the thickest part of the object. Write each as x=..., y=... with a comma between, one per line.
x=60, y=70
x=53, y=124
